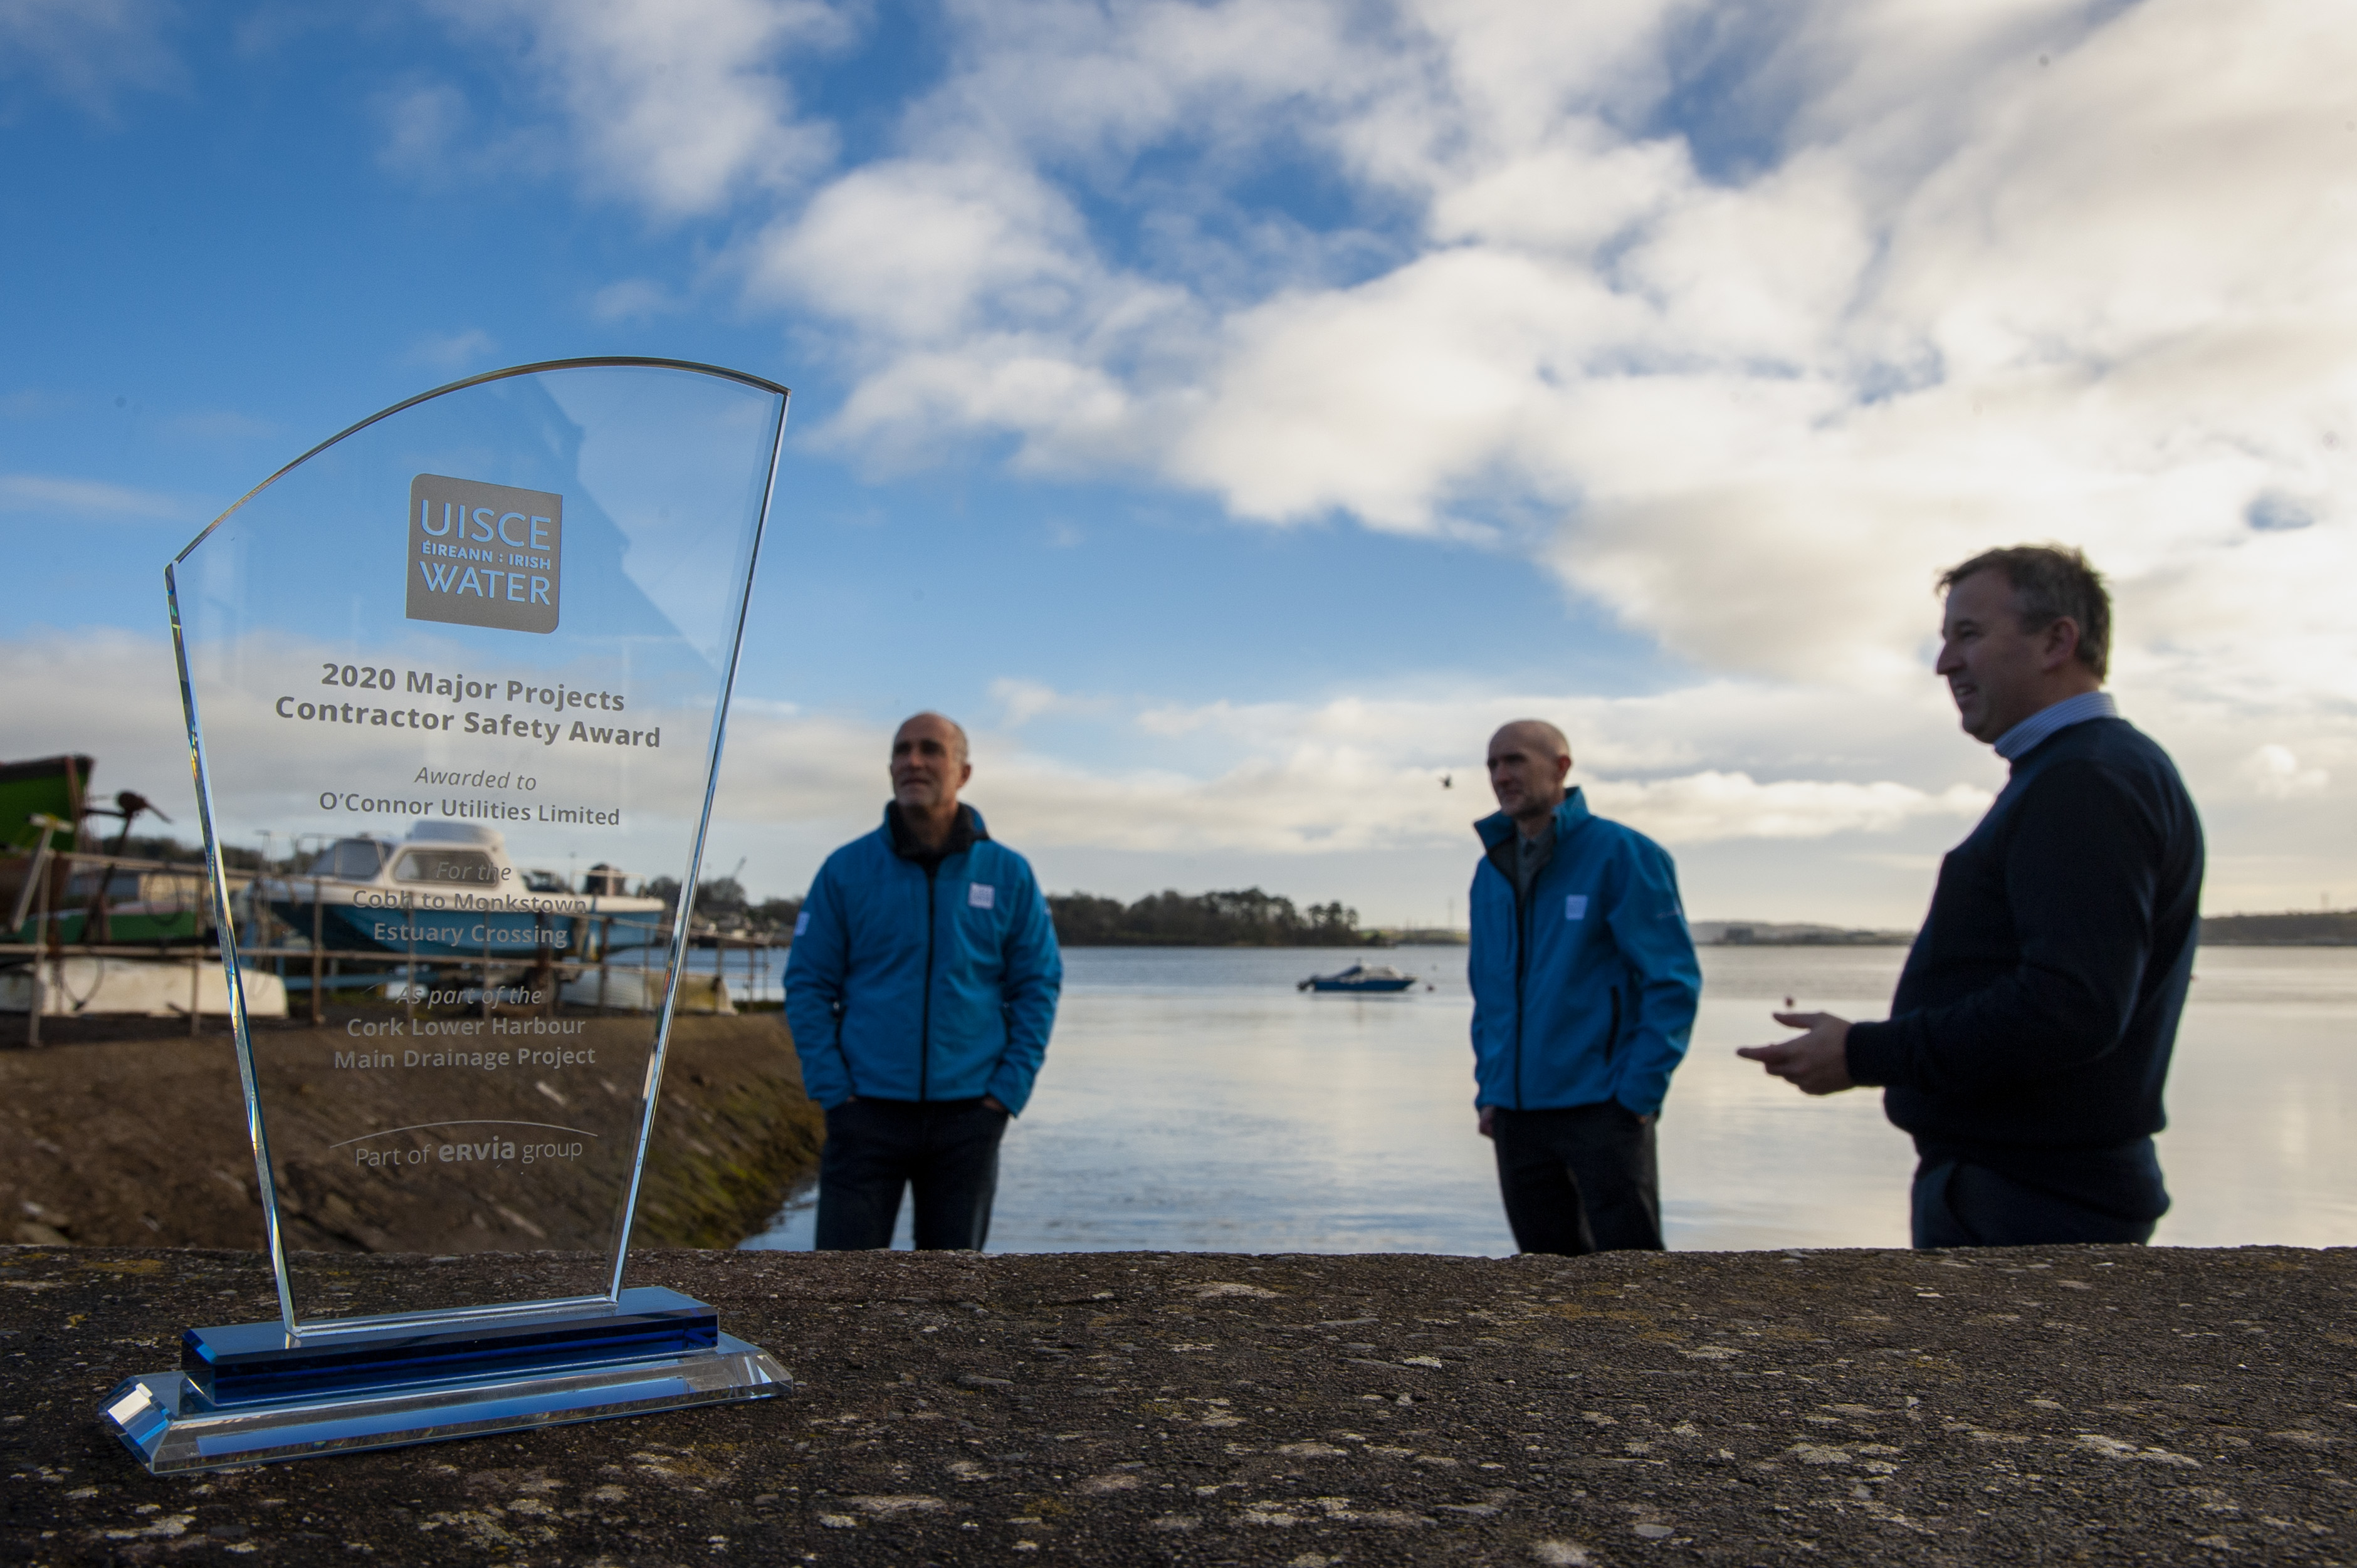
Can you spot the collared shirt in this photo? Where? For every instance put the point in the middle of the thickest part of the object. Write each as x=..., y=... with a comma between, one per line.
x=2018, y=741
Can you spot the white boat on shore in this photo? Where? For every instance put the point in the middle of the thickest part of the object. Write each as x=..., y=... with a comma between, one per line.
x=80, y=986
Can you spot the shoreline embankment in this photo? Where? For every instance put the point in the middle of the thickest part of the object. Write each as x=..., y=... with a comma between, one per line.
x=119, y=1135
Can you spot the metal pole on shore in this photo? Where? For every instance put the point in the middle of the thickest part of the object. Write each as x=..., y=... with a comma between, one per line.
x=541, y=994
x=268, y=917
x=259, y=907
x=409, y=975
x=40, y=931
x=318, y=952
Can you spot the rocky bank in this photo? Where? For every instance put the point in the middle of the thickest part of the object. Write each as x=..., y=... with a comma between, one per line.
x=115, y=1135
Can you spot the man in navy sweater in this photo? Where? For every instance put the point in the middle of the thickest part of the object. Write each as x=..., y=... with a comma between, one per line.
x=2032, y=1031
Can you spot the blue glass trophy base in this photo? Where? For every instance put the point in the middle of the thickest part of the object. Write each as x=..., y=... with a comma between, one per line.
x=247, y=1392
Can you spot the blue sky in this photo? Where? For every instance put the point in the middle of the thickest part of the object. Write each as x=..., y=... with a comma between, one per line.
x=1233, y=410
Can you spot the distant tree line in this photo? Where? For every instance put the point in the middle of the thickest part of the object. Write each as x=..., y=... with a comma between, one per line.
x=144, y=846
x=2293, y=929
x=722, y=901
x=1169, y=918
x=1175, y=919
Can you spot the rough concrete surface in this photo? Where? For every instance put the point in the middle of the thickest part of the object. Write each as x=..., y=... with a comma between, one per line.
x=2051, y=1404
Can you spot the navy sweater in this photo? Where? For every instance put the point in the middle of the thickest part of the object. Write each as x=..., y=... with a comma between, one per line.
x=2033, y=1023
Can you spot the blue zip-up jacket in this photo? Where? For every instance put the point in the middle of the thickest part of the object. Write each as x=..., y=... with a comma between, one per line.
x=1585, y=992
x=904, y=984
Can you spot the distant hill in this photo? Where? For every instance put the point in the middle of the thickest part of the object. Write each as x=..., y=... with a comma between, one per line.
x=1790, y=934
x=2293, y=929
x=1422, y=935
x=2315, y=929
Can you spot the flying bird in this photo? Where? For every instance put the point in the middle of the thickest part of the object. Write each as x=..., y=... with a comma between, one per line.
x=1446, y=782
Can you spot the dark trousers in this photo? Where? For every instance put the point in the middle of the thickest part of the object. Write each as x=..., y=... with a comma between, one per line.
x=874, y=1148
x=1581, y=1180
x=1958, y=1204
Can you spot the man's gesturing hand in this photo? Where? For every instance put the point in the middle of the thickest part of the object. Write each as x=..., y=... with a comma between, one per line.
x=1816, y=1062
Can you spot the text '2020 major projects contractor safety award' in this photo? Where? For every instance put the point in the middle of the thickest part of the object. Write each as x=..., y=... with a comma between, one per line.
x=456, y=679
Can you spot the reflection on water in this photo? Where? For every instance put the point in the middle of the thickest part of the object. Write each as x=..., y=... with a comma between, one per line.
x=1193, y=1101
x=2262, y=1119
x=754, y=974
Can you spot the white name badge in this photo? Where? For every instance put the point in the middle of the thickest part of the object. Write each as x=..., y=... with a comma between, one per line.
x=981, y=894
x=1575, y=906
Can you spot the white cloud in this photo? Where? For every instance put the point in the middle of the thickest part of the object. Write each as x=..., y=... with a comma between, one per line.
x=56, y=493
x=265, y=769
x=1342, y=796
x=136, y=736
x=423, y=125
x=221, y=425
x=1902, y=283
x=1521, y=200
x=88, y=51
x=1349, y=778
x=678, y=104
x=1020, y=702
x=1741, y=321
x=1375, y=400
x=2273, y=771
x=632, y=299
x=452, y=352
x=1852, y=797
x=1704, y=807
x=34, y=404
x=1988, y=273
x=1781, y=731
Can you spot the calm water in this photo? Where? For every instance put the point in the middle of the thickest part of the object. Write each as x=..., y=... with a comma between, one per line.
x=1194, y=1100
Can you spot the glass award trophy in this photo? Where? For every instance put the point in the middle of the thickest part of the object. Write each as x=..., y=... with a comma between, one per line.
x=433, y=671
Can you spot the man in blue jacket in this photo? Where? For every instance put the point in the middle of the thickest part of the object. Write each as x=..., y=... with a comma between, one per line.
x=920, y=990
x=1584, y=992
x=2033, y=1023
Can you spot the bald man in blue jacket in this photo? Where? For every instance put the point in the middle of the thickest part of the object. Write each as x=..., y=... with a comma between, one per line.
x=921, y=989
x=1585, y=985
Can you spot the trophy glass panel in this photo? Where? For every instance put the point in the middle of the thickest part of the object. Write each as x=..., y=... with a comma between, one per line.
x=459, y=675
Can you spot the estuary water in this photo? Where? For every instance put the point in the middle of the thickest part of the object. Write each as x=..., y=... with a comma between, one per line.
x=1194, y=1100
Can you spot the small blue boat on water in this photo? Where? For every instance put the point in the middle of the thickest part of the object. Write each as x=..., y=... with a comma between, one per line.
x=448, y=890
x=1362, y=979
